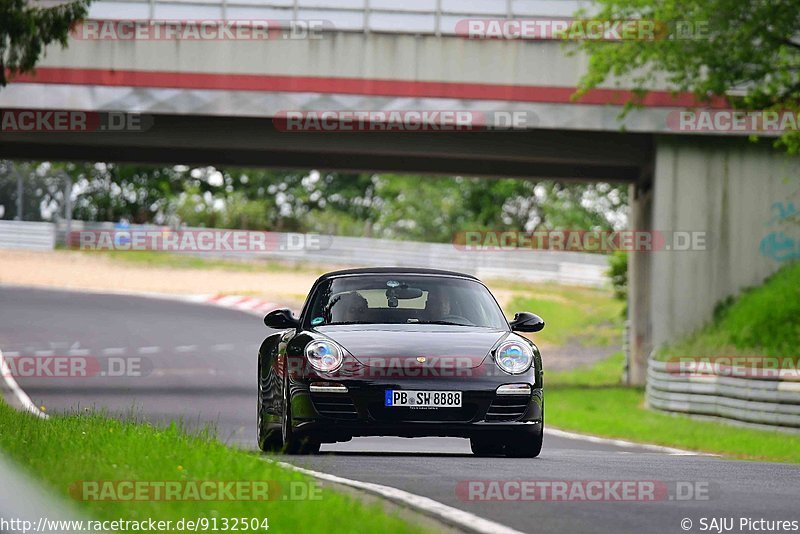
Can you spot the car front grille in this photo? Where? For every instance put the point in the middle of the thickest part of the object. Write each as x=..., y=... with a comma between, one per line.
x=336, y=405
x=507, y=407
x=382, y=413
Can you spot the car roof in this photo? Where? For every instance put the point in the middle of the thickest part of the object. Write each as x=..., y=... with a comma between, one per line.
x=392, y=270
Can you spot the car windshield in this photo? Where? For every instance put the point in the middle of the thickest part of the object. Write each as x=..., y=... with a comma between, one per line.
x=404, y=299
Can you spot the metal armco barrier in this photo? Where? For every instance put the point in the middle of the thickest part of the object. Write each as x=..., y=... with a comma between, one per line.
x=760, y=401
x=27, y=235
x=576, y=268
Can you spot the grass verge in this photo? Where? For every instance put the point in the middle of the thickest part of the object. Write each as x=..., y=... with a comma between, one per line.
x=63, y=451
x=591, y=400
x=588, y=316
x=762, y=321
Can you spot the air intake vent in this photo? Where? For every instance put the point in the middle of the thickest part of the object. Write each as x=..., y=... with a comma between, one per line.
x=507, y=408
x=336, y=405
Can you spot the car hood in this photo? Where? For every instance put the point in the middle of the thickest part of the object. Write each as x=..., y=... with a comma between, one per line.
x=387, y=345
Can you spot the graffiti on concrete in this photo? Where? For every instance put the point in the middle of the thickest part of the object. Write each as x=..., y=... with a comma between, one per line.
x=781, y=244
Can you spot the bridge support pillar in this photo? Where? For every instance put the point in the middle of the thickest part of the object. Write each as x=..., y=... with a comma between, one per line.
x=639, y=287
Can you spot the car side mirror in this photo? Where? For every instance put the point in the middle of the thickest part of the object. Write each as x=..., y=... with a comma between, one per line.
x=281, y=319
x=526, y=322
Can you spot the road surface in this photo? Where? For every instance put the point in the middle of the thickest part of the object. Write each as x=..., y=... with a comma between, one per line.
x=198, y=365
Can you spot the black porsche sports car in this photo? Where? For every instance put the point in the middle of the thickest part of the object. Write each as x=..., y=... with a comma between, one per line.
x=400, y=352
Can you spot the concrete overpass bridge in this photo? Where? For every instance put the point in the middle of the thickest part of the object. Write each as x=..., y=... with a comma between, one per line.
x=216, y=101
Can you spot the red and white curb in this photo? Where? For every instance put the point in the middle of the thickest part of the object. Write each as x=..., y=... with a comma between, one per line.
x=252, y=305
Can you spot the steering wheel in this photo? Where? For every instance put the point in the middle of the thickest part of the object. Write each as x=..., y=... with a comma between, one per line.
x=457, y=319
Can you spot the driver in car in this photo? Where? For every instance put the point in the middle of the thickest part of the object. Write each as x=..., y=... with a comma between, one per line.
x=437, y=306
x=351, y=307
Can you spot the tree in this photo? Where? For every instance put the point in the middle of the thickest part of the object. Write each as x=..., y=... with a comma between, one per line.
x=42, y=191
x=745, y=50
x=25, y=30
x=110, y=192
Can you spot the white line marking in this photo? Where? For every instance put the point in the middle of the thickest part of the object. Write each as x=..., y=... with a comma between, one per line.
x=78, y=352
x=22, y=397
x=12, y=354
x=622, y=443
x=44, y=353
x=114, y=350
x=185, y=348
x=148, y=350
x=454, y=516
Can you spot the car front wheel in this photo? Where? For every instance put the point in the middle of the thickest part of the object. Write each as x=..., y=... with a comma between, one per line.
x=293, y=444
x=485, y=447
x=268, y=440
x=526, y=444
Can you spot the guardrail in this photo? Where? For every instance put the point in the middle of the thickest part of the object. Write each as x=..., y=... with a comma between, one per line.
x=772, y=401
x=28, y=506
x=533, y=266
x=419, y=16
x=27, y=235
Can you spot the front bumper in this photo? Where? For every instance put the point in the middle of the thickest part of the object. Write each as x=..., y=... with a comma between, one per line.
x=360, y=411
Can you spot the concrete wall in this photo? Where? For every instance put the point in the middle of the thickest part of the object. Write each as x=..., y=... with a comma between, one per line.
x=745, y=196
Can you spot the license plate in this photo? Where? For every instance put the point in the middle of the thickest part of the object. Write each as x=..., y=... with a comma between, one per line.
x=423, y=399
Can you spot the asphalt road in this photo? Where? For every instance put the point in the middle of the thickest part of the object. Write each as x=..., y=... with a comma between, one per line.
x=197, y=364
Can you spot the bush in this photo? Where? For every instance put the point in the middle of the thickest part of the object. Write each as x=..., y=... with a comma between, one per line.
x=618, y=272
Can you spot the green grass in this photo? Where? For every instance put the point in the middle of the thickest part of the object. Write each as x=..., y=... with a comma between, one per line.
x=149, y=258
x=587, y=316
x=591, y=400
x=606, y=372
x=64, y=450
x=762, y=321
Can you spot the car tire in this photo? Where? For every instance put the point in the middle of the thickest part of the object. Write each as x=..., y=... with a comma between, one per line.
x=291, y=443
x=268, y=440
x=526, y=445
x=485, y=447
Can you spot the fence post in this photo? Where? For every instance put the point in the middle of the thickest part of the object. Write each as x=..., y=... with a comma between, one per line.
x=68, y=207
x=20, y=192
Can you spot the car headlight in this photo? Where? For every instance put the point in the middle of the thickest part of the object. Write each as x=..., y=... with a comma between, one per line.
x=323, y=355
x=514, y=357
